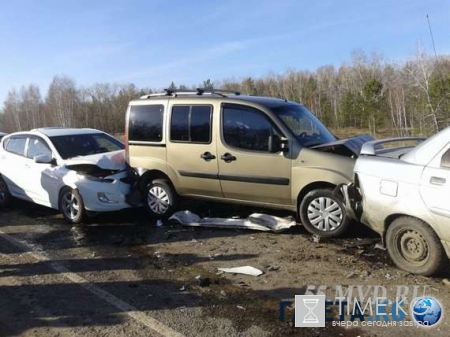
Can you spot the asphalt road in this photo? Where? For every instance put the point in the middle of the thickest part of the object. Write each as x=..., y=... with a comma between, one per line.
x=119, y=275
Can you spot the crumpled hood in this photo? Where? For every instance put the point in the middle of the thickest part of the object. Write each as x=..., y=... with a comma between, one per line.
x=114, y=161
x=352, y=144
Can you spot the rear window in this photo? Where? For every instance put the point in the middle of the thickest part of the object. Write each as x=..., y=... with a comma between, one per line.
x=191, y=124
x=16, y=145
x=146, y=123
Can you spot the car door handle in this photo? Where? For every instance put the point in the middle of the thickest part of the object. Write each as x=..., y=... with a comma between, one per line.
x=438, y=181
x=207, y=156
x=228, y=157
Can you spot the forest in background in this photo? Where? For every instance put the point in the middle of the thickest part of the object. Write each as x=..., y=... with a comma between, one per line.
x=411, y=98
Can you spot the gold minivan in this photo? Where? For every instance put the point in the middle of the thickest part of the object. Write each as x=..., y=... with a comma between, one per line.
x=222, y=146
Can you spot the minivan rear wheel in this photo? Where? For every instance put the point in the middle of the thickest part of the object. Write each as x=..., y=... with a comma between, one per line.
x=323, y=213
x=161, y=198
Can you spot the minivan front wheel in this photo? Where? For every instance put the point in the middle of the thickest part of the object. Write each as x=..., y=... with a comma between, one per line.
x=161, y=198
x=323, y=213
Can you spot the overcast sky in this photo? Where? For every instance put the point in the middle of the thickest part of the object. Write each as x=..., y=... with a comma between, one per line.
x=152, y=43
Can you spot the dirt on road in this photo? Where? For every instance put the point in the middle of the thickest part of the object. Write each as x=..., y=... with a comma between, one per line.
x=120, y=274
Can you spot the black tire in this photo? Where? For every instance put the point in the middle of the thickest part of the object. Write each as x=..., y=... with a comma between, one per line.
x=5, y=195
x=160, y=198
x=73, y=214
x=323, y=213
x=414, y=247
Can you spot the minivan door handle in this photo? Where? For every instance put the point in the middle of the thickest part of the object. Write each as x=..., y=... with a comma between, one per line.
x=228, y=157
x=207, y=156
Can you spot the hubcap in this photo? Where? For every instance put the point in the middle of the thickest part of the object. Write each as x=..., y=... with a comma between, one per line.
x=158, y=200
x=413, y=246
x=325, y=214
x=70, y=205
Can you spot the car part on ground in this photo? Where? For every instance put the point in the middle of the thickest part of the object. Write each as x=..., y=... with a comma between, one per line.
x=76, y=171
x=256, y=221
x=246, y=270
x=402, y=193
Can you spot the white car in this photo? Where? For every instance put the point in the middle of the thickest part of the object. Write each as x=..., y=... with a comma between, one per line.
x=72, y=170
x=404, y=195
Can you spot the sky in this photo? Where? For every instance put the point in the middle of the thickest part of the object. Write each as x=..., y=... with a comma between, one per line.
x=152, y=43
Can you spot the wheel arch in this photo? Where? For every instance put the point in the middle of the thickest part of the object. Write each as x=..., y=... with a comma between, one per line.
x=150, y=175
x=311, y=187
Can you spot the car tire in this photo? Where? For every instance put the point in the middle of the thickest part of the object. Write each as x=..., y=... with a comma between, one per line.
x=414, y=246
x=323, y=213
x=71, y=205
x=5, y=195
x=160, y=198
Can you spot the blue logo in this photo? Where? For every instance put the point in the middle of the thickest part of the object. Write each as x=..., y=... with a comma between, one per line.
x=427, y=311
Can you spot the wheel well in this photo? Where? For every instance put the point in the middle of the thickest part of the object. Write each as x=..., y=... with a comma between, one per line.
x=391, y=218
x=311, y=187
x=152, y=175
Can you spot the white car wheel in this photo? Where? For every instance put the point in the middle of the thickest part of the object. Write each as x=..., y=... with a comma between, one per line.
x=71, y=205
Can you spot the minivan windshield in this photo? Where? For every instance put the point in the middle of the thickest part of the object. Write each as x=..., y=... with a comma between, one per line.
x=80, y=145
x=308, y=130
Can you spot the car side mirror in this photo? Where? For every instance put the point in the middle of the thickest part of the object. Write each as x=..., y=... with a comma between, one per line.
x=43, y=159
x=275, y=144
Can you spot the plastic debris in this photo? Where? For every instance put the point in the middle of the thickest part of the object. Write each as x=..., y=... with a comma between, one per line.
x=256, y=221
x=159, y=223
x=246, y=270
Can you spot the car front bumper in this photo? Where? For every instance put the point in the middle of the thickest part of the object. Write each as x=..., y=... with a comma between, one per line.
x=104, y=196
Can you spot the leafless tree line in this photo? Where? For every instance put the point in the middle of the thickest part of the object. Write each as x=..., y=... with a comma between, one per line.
x=412, y=98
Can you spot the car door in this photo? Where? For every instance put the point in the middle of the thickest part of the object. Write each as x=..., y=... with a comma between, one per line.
x=43, y=185
x=247, y=170
x=435, y=184
x=13, y=163
x=191, y=149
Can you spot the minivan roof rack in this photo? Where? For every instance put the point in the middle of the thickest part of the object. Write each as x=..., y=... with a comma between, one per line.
x=198, y=91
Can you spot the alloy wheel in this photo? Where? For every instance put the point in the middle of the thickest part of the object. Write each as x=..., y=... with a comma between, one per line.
x=325, y=214
x=70, y=205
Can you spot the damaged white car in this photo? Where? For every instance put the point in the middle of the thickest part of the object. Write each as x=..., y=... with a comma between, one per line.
x=73, y=170
x=404, y=195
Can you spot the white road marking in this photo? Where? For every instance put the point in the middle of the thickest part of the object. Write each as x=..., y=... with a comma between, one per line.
x=123, y=306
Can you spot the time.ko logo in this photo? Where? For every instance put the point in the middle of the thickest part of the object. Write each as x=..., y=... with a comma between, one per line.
x=426, y=311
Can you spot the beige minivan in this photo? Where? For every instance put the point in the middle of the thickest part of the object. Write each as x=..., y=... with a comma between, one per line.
x=222, y=146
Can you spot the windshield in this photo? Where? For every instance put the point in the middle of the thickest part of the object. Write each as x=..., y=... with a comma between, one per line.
x=71, y=146
x=308, y=130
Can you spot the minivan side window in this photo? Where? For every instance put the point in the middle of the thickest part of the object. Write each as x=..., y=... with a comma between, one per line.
x=37, y=147
x=16, y=145
x=191, y=124
x=146, y=123
x=445, y=161
x=247, y=128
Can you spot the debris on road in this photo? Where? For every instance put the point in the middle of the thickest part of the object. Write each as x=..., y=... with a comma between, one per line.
x=380, y=246
x=246, y=270
x=256, y=221
x=446, y=282
x=315, y=238
x=159, y=223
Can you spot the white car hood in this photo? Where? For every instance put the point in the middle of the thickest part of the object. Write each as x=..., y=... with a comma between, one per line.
x=107, y=161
